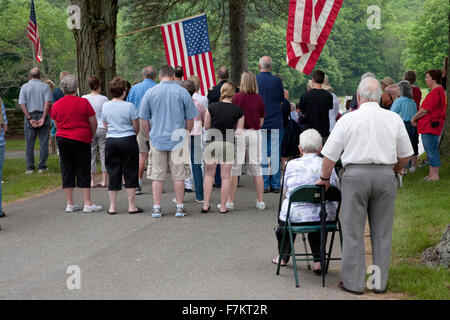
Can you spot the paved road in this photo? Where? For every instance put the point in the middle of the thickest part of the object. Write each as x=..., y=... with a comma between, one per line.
x=20, y=154
x=210, y=256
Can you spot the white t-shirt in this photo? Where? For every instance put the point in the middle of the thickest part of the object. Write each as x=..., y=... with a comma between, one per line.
x=369, y=135
x=119, y=116
x=202, y=99
x=333, y=113
x=97, y=101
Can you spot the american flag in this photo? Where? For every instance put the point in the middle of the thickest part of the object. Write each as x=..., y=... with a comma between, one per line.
x=187, y=45
x=309, y=25
x=33, y=33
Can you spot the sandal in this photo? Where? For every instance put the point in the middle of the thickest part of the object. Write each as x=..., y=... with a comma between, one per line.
x=139, y=210
x=112, y=212
x=317, y=272
x=205, y=211
x=274, y=261
x=224, y=212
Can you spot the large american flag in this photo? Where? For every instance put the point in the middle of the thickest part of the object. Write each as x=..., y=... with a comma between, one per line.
x=187, y=45
x=33, y=33
x=309, y=25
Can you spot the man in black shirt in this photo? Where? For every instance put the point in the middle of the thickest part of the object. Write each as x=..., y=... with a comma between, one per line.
x=214, y=92
x=316, y=104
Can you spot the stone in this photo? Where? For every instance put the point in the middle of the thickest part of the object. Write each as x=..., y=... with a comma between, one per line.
x=440, y=254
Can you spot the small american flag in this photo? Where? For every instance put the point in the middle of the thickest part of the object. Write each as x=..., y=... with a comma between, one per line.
x=33, y=33
x=187, y=45
x=309, y=25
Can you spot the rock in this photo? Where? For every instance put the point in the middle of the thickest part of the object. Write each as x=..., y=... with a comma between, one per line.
x=439, y=255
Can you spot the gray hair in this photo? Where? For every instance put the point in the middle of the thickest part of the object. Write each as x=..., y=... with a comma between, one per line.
x=310, y=141
x=369, y=90
x=149, y=72
x=69, y=84
x=189, y=85
x=405, y=89
x=35, y=73
x=367, y=75
x=265, y=63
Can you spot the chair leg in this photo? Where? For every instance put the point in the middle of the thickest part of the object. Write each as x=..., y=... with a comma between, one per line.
x=306, y=250
x=294, y=261
x=280, y=254
x=340, y=232
x=329, y=251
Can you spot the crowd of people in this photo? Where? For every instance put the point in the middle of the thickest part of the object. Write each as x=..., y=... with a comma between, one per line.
x=206, y=142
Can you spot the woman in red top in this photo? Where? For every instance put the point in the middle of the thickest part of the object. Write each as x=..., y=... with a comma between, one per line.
x=430, y=120
x=76, y=123
x=249, y=144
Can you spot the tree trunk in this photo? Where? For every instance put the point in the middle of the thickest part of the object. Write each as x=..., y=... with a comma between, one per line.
x=237, y=39
x=445, y=143
x=96, y=42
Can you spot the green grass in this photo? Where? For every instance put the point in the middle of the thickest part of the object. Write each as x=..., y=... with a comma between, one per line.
x=18, y=185
x=422, y=211
x=19, y=144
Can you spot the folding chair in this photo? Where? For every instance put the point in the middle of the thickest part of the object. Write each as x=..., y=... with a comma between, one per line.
x=310, y=194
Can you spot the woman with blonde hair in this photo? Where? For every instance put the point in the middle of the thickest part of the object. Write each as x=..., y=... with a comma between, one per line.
x=221, y=120
x=249, y=144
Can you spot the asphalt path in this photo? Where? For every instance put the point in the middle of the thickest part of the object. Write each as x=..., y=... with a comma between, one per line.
x=198, y=257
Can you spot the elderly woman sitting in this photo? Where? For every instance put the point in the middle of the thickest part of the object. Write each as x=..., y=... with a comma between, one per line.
x=299, y=172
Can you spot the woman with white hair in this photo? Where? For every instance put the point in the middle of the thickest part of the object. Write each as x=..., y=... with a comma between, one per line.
x=406, y=108
x=76, y=124
x=299, y=172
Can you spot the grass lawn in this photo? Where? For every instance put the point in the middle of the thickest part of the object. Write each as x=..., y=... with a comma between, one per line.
x=422, y=211
x=19, y=144
x=18, y=185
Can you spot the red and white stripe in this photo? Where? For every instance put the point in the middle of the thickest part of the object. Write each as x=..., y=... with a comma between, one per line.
x=200, y=65
x=309, y=25
x=33, y=34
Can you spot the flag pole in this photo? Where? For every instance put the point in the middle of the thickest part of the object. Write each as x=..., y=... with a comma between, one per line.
x=159, y=25
x=33, y=49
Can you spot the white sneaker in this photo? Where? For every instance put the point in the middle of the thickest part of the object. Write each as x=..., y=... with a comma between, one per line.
x=228, y=205
x=260, y=205
x=92, y=208
x=29, y=172
x=43, y=170
x=72, y=208
x=412, y=169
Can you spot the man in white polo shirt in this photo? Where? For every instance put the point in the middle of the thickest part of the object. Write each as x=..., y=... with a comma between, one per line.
x=373, y=146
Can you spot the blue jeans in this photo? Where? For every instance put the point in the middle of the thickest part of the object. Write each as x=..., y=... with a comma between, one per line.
x=196, y=160
x=272, y=180
x=430, y=144
x=2, y=160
